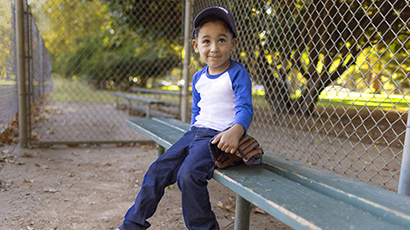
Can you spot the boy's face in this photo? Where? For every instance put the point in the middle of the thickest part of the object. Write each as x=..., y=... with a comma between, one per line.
x=214, y=44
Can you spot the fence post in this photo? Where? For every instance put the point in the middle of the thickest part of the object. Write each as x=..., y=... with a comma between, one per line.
x=22, y=105
x=187, y=60
x=404, y=182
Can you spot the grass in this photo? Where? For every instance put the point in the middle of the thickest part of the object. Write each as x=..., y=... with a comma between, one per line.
x=355, y=100
x=66, y=90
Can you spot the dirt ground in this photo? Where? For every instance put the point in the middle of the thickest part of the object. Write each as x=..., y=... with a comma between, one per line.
x=91, y=187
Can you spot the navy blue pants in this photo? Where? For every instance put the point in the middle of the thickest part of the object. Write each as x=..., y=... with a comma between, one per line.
x=189, y=163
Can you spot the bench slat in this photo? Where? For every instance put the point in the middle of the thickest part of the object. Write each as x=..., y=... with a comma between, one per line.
x=173, y=123
x=139, y=99
x=141, y=109
x=393, y=208
x=294, y=204
x=165, y=136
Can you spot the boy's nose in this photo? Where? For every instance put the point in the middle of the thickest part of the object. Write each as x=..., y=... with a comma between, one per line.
x=214, y=48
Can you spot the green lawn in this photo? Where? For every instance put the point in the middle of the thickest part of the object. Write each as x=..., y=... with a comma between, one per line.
x=359, y=100
x=66, y=90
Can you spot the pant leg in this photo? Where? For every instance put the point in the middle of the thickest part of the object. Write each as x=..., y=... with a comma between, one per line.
x=162, y=173
x=192, y=178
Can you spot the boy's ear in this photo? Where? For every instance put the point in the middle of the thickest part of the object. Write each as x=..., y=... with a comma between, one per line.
x=195, y=45
x=234, y=43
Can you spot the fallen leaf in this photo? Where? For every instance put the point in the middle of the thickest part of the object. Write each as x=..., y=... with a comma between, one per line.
x=228, y=206
x=27, y=155
x=50, y=190
x=27, y=181
x=16, y=162
x=258, y=210
x=35, y=138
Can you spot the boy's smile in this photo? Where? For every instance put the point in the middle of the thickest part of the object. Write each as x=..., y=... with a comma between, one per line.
x=214, y=44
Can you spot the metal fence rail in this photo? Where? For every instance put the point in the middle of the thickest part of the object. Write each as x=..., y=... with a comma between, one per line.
x=330, y=77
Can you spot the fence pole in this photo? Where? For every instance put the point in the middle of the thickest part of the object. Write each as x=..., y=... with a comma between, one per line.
x=21, y=73
x=404, y=182
x=187, y=60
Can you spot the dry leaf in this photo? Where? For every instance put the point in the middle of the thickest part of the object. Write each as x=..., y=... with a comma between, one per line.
x=228, y=206
x=50, y=190
x=258, y=210
x=16, y=162
x=27, y=181
x=27, y=155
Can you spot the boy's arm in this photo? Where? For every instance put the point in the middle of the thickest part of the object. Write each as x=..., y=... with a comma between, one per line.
x=229, y=139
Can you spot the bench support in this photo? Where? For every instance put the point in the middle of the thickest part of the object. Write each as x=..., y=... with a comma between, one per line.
x=148, y=111
x=242, y=213
x=160, y=151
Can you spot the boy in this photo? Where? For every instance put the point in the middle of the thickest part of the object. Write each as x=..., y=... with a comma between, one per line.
x=221, y=107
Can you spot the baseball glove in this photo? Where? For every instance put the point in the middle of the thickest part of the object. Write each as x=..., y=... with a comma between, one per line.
x=249, y=152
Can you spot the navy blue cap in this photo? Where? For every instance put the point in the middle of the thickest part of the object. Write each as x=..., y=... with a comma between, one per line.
x=219, y=12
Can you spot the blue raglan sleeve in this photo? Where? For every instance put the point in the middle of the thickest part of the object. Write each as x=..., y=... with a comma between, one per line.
x=242, y=86
x=195, y=98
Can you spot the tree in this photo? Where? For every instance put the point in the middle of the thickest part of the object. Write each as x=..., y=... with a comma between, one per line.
x=153, y=29
x=7, y=56
x=317, y=40
x=106, y=44
x=148, y=18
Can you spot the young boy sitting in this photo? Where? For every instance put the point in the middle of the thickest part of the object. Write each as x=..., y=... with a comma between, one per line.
x=221, y=107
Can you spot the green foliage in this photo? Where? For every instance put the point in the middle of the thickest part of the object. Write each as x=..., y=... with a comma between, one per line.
x=107, y=67
x=320, y=41
x=147, y=18
x=106, y=44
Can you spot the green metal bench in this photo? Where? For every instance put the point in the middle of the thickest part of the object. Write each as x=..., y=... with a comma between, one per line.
x=300, y=195
x=148, y=102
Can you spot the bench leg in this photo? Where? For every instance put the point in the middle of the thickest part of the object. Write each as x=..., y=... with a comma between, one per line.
x=148, y=111
x=160, y=151
x=242, y=213
x=129, y=107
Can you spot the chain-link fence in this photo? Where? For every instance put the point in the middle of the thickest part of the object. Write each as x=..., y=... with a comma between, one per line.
x=36, y=65
x=334, y=81
x=8, y=79
x=330, y=77
x=98, y=47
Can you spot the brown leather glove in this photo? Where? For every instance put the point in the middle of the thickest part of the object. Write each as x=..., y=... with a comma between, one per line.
x=249, y=152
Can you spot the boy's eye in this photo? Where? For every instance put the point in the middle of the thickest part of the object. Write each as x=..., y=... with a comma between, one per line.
x=205, y=41
x=221, y=40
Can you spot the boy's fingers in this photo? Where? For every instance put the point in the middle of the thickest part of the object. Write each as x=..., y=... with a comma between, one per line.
x=216, y=139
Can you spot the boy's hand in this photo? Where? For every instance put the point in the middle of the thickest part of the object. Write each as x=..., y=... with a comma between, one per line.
x=229, y=139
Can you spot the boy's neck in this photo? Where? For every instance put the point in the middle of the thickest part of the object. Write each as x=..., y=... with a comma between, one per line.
x=212, y=71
